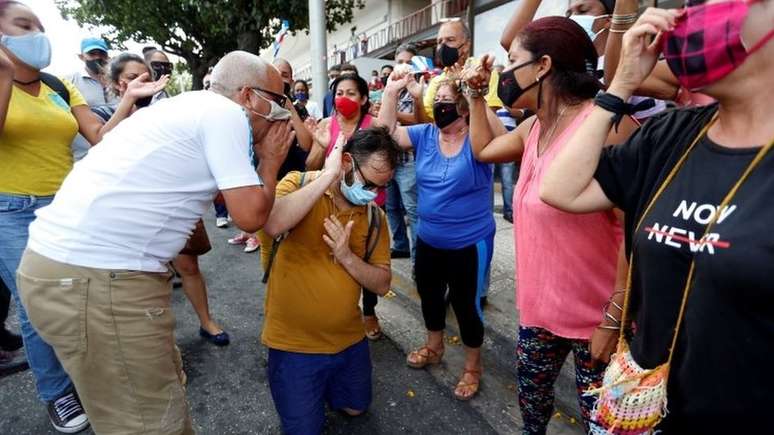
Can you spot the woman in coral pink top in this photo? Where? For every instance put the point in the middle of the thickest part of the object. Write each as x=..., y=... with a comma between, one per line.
x=566, y=264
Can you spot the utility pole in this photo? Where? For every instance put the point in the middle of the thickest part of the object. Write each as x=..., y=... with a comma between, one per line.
x=319, y=50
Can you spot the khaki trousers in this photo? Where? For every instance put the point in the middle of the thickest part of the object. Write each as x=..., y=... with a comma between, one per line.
x=113, y=331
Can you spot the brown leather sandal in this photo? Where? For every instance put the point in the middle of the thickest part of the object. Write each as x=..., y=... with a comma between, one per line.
x=373, y=330
x=422, y=357
x=472, y=387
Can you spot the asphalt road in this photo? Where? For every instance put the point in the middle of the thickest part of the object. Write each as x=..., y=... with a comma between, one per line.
x=227, y=388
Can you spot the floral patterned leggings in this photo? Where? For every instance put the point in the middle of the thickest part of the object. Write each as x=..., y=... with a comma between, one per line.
x=540, y=357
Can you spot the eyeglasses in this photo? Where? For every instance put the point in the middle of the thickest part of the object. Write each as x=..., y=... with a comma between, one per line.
x=277, y=98
x=367, y=184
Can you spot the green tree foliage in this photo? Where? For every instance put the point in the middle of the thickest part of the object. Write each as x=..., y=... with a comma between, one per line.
x=201, y=31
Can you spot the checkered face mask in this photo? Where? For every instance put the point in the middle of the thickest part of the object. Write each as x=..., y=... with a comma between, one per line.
x=706, y=43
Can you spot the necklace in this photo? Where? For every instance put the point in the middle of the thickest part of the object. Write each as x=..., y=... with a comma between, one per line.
x=553, y=130
x=450, y=138
x=26, y=83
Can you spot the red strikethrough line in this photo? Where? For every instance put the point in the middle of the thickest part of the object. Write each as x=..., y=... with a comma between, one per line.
x=679, y=238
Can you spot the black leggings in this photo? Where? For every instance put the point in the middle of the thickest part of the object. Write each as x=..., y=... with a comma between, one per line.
x=369, y=302
x=463, y=272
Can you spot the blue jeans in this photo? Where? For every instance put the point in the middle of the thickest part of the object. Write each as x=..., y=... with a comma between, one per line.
x=402, y=198
x=302, y=383
x=507, y=171
x=220, y=210
x=16, y=214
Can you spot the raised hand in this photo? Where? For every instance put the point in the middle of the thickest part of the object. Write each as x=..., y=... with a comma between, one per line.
x=338, y=238
x=333, y=161
x=397, y=81
x=274, y=147
x=641, y=48
x=142, y=87
x=477, y=75
x=416, y=88
x=321, y=133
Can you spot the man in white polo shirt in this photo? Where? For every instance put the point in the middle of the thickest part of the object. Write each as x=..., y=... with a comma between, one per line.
x=94, y=277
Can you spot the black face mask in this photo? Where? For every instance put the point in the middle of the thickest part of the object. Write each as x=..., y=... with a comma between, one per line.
x=160, y=69
x=384, y=80
x=449, y=55
x=508, y=88
x=143, y=102
x=445, y=113
x=96, y=65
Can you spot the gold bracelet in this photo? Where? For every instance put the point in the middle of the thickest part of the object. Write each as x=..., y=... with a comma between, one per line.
x=618, y=30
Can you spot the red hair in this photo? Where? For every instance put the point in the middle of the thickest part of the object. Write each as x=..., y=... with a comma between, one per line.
x=573, y=56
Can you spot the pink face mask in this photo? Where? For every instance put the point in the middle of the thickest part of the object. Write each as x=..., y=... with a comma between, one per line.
x=706, y=43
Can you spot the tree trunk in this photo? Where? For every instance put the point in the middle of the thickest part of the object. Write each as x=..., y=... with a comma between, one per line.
x=249, y=42
x=198, y=71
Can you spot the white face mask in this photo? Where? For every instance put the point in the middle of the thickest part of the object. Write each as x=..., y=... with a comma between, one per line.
x=587, y=22
x=276, y=112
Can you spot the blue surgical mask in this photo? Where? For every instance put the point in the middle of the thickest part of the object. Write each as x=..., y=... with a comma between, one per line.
x=34, y=49
x=587, y=22
x=301, y=96
x=356, y=194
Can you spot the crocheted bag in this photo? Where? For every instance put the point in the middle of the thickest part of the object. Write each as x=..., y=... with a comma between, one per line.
x=633, y=400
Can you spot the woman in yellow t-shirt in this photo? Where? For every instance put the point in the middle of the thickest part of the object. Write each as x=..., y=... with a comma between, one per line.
x=37, y=125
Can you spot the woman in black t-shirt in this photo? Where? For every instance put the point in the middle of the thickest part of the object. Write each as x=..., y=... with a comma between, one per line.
x=683, y=174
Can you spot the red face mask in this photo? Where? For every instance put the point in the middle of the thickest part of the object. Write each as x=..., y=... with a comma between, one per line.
x=706, y=43
x=346, y=107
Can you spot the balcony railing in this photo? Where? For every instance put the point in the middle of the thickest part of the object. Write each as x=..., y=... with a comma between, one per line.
x=411, y=25
x=397, y=31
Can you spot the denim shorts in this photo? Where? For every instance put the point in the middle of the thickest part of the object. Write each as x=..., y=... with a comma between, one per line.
x=301, y=384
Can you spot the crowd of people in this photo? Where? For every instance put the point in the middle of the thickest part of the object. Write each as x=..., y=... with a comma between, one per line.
x=633, y=155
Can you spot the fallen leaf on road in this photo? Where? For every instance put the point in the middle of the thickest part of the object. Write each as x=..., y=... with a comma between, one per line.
x=390, y=294
x=453, y=339
x=410, y=393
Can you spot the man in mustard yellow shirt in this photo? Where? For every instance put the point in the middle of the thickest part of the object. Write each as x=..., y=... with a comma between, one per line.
x=313, y=328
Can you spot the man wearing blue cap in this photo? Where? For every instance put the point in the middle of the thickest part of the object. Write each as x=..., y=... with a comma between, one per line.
x=93, y=83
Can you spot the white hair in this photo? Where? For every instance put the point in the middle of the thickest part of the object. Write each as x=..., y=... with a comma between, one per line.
x=236, y=70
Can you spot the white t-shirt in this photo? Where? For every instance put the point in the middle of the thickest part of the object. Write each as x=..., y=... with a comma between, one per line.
x=133, y=201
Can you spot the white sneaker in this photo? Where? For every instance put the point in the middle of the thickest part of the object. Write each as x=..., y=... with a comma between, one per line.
x=221, y=222
x=252, y=244
x=67, y=415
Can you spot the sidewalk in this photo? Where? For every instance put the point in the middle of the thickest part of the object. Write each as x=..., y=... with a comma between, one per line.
x=401, y=319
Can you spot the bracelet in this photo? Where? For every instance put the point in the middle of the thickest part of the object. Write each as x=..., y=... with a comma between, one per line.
x=619, y=108
x=624, y=18
x=619, y=30
x=473, y=92
x=611, y=317
x=612, y=328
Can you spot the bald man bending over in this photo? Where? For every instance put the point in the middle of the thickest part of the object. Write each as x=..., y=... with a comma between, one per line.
x=95, y=277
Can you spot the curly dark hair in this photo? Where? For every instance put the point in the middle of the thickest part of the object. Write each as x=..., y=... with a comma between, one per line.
x=373, y=141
